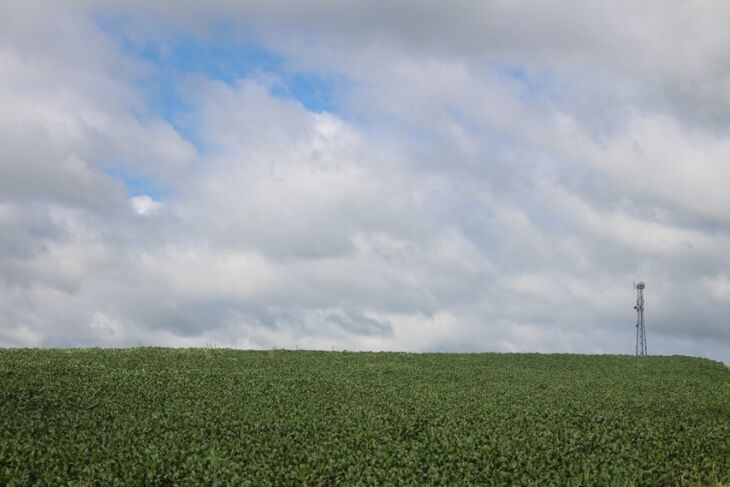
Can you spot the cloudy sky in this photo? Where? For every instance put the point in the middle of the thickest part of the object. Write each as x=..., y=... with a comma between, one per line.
x=420, y=176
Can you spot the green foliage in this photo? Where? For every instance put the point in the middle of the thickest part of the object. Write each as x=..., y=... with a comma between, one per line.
x=220, y=417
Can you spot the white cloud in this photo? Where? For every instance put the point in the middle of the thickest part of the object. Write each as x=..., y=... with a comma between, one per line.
x=144, y=205
x=718, y=287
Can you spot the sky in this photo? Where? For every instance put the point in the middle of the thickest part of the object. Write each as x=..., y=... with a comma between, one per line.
x=404, y=175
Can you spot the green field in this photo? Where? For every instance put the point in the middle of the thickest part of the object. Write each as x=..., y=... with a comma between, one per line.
x=206, y=416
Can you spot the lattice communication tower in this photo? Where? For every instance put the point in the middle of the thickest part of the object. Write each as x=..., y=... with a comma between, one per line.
x=640, y=330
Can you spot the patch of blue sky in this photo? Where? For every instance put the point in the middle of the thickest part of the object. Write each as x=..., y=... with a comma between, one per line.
x=176, y=57
x=533, y=84
x=317, y=92
x=223, y=56
x=139, y=185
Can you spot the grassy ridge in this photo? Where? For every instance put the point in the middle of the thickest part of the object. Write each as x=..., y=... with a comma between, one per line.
x=281, y=417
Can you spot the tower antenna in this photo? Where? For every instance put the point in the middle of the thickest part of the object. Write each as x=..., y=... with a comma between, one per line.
x=640, y=330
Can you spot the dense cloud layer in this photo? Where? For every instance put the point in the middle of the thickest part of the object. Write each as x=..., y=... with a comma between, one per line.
x=490, y=179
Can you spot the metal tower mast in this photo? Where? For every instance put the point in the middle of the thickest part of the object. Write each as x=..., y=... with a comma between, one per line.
x=640, y=330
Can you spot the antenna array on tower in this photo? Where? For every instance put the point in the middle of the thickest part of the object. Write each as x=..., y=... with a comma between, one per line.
x=640, y=330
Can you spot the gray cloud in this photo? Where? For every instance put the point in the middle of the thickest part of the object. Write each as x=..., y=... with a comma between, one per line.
x=495, y=180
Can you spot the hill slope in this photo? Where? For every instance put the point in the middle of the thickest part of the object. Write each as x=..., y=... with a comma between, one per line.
x=197, y=416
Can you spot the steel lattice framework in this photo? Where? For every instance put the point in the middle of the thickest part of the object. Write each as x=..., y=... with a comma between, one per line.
x=640, y=329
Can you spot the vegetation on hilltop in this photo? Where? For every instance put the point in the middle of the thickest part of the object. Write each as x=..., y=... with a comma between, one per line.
x=206, y=416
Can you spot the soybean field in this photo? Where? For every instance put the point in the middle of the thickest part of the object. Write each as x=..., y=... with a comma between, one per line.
x=225, y=417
